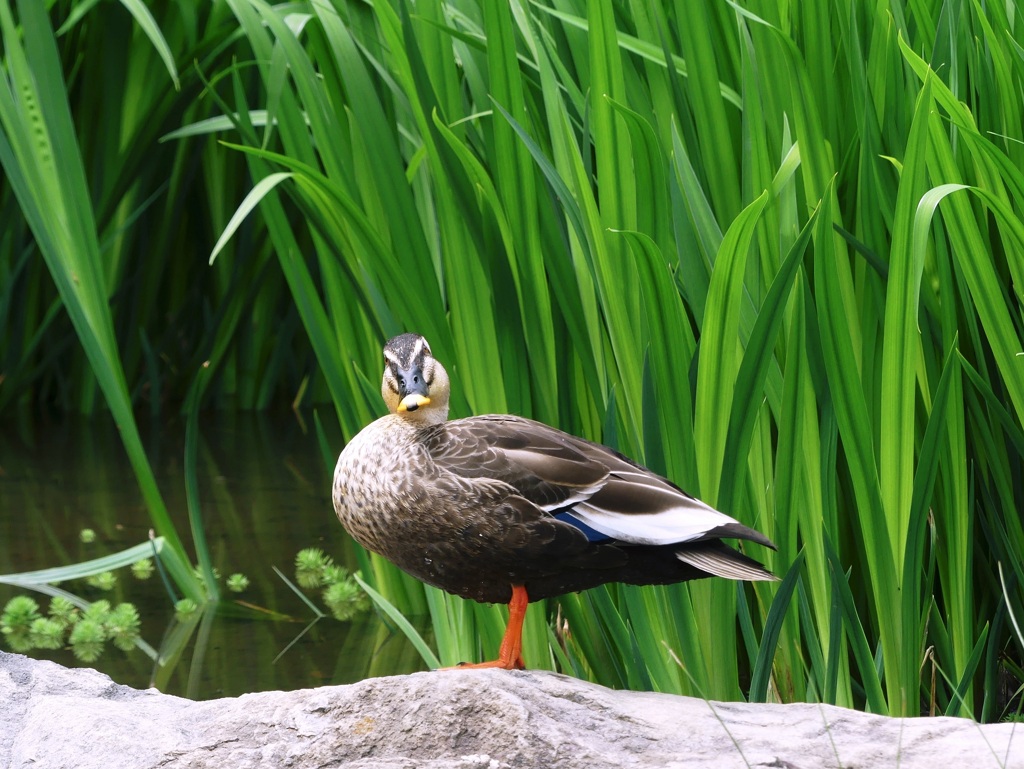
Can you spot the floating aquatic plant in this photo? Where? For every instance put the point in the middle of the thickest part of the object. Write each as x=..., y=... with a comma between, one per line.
x=143, y=569
x=16, y=622
x=86, y=632
x=87, y=637
x=346, y=599
x=64, y=612
x=309, y=567
x=122, y=625
x=341, y=593
x=46, y=633
x=237, y=582
x=105, y=580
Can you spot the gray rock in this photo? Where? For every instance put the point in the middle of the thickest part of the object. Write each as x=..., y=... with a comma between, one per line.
x=53, y=717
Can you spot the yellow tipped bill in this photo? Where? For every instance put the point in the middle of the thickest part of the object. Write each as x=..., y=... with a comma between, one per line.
x=413, y=401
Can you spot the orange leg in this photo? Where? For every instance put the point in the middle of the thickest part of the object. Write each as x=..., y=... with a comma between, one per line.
x=510, y=654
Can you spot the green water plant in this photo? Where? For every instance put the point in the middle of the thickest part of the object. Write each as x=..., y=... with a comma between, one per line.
x=185, y=608
x=237, y=583
x=87, y=638
x=143, y=568
x=341, y=592
x=345, y=598
x=310, y=564
x=105, y=580
x=120, y=625
x=63, y=611
x=86, y=630
x=46, y=633
x=16, y=622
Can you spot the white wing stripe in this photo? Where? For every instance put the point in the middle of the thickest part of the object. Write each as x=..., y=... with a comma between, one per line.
x=685, y=523
x=572, y=501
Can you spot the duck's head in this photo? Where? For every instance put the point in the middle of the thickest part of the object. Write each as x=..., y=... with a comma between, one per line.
x=415, y=385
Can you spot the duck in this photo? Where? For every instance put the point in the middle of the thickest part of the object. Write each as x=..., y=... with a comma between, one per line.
x=499, y=508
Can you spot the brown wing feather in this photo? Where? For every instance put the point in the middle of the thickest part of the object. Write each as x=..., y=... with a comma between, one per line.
x=543, y=465
x=554, y=470
x=545, y=470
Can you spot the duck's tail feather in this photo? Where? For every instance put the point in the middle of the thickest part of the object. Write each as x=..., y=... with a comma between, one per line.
x=724, y=562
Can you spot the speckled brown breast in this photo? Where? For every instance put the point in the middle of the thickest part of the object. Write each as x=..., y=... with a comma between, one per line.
x=392, y=500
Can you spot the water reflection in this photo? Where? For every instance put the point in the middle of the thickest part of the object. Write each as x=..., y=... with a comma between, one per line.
x=265, y=494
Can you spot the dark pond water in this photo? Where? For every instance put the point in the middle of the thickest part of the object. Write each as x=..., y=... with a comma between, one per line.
x=265, y=495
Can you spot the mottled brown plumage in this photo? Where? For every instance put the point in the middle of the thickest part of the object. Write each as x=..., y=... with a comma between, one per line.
x=480, y=505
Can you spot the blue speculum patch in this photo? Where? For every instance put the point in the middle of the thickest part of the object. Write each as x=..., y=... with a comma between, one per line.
x=593, y=535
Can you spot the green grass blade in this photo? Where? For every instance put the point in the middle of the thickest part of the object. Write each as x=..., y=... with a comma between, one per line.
x=762, y=671
x=856, y=636
x=716, y=377
x=258, y=192
x=402, y=623
x=87, y=568
x=754, y=368
x=900, y=349
x=148, y=25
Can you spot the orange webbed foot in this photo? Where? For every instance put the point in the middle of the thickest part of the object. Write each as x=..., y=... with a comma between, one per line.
x=510, y=655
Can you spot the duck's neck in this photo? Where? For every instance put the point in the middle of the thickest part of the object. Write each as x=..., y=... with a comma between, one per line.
x=428, y=417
